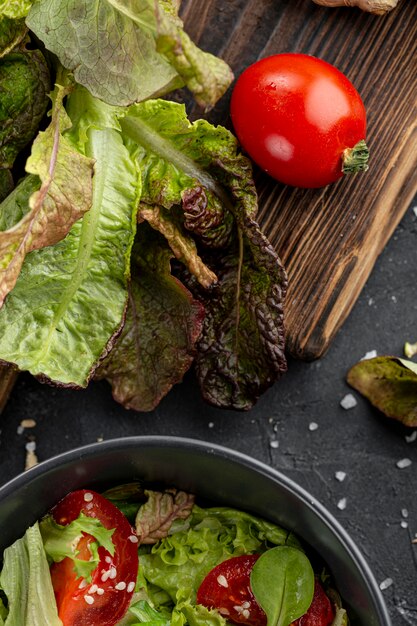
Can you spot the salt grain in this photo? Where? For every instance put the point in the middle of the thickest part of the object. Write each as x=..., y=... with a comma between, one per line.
x=415, y=210
x=341, y=505
x=404, y=524
x=30, y=446
x=211, y=424
x=369, y=355
x=274, y=443
x=412, y=437
x=385, y=584
x=404, y=512
x=340, y=476
x=20, y=430
x=402, y=463
x=313, y=426
x=348, y=402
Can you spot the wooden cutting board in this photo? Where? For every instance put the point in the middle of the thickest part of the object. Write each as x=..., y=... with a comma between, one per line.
x=328, y=239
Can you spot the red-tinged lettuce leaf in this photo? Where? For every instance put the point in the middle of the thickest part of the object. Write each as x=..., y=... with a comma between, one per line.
x=126, y=51
x=69, y=301
x=163, y=322
x=181, y=243
x=25, y=84
x=65, y=194
x=198, y=167
x=155, y=518
x=390, y=384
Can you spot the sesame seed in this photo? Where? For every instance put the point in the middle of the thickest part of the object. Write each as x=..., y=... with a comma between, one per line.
x=245, y=613
x=404, y=524
x=245, y=605
x=89, y=599
x=238, y=608
x=112, y=573
x=222, y=580
x=88, y=497
x=31, y=446
x=133, y=539
x=402, y=463
x=385, y=584
x=100, y=591
x=93, y=589
x=348, y=402
x=120, y=586
x=412, y=437
x=313, y=426
x=404, y=512
x=108, y=559
x=83, y=584
x=341, y=505
x=105, y=576
x=224, y=611
x=130, y=587
x=274, y=443
x=340, y=476
x=211, y=424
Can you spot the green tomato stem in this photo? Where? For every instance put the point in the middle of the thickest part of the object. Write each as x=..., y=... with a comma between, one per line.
x=356, y=159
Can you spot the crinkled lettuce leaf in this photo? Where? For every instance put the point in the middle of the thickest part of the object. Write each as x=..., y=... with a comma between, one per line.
x=64, y=196
x=25, y=83
x=16, y=204
x=155, y=518
x=60, y=542
x=126, y=51
x=70, y=298
x=197, y=168
x=6, y=186
x=178, y=563
x=390, y=384
x=26, y=581
x=15, y=8
x=163, y=322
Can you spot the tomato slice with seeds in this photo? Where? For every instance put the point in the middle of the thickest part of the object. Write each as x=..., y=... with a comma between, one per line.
x=106, y=598
x=227, y=589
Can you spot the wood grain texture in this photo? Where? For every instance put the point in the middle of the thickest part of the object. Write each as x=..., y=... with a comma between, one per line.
x=329, y=239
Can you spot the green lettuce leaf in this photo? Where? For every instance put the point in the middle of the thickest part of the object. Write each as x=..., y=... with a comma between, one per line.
x=6, y=187
x=64, y=196
x=12, y=32
x=61, y=541
x=390, y=384
x=178, y=563
x=156, y=517
x=163, y=322
x=15, y=8
x=197, y=166
x=126, y=51
x=26, y=581
x=145, y=614
x=70, y=298
x=16, y=205
x=25, y=83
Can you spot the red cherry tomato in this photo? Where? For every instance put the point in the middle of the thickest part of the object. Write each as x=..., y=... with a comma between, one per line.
x=106, y=599
x=227, y=589
x=295, y=115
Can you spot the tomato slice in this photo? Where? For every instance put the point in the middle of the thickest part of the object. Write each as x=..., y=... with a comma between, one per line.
x=104, y=600
x=227, y=589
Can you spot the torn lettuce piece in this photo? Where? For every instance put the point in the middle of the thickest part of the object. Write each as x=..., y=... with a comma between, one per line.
x=126, y=51
x=70, y=298
x=15, y=9
x=144, y=613
x=155, y=518
x=61, y=541
x=197, y=166
x=390, y=384
x=25, y=83
x=163, y=322
x=16, y=205
x=26, y=581
x=63, y=197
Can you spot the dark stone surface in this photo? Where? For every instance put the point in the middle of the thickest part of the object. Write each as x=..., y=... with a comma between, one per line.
x=359, y=441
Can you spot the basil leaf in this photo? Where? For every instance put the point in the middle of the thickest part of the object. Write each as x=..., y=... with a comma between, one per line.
x=390, y=384
x=282, y=581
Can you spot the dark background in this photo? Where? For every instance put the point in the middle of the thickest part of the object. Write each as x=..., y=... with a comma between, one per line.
x=358, y=441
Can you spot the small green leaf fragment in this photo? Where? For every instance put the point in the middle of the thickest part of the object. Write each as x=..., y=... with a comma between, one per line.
x=390, y=384
x=282, y=581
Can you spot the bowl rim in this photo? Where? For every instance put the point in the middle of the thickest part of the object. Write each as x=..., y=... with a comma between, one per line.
x=90, y=450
